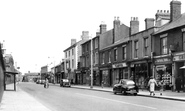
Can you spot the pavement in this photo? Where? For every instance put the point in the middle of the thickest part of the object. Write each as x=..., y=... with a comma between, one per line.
x=21, y=101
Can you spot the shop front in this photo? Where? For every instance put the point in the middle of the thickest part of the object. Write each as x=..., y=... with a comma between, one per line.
x=163, y=71
x=96, y=76
x=141, y=72
x=120, y=71
x=179, y=71
x=78, y=76
x=105, y=76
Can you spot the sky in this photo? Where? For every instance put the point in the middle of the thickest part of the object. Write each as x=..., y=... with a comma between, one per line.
x=36, y=32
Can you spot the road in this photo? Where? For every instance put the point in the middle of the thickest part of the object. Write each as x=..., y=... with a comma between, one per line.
x=71, y=99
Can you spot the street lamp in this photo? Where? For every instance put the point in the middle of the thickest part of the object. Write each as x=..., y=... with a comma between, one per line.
x=91, y=63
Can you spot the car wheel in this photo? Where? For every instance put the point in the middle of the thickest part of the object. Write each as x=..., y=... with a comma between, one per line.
x=124, y=92
x=135, y=94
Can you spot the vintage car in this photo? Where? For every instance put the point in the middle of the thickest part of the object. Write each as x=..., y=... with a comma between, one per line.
x=65, y=83
x=126, y=86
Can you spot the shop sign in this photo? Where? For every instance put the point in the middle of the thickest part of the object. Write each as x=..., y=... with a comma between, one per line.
x=179, y=57
x=161, y=60
x=77, y=71
x=120, y=65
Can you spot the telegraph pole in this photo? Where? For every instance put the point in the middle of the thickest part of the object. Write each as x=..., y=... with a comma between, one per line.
x=91, y=62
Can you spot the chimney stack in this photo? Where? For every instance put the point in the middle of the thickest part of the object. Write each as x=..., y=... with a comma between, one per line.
x=175, y=10
x=85, y=35
x=134, y=25
x=149, y=22
x=73, y=41
x=103, y=28
x=116, y=29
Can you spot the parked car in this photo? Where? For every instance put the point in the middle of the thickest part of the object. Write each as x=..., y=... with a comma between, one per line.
x=65, y=82
x=126, y=86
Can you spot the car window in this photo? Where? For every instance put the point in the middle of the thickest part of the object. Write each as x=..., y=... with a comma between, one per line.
x=130, y=83
x=122, y=82
x=65, y=80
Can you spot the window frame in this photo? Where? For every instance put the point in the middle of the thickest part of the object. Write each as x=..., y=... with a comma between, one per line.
x=164, y=46
x=146, y=46
x=124, y=52
x=115, y=54
x=136, y=48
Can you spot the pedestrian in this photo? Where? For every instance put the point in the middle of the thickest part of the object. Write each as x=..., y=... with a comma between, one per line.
x=161, y=86
x=178, y=84
x=151, y=83
x=46, y=84
x=102, y=84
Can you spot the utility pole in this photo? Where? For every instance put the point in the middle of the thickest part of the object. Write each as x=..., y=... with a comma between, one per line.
x=91, y=62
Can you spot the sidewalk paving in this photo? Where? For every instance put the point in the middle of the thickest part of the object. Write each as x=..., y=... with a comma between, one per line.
x=165, y=94
x=19, y=101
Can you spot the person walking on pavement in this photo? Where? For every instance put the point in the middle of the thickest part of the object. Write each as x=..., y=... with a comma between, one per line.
x=102, y=83
x=151, y=83
x=46, y=84
x=161, y=85
x=178, y=84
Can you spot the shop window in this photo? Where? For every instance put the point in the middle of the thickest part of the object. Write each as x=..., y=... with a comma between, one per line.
x=164, y=74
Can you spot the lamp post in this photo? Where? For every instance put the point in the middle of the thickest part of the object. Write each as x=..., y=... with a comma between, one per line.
x=91, y=63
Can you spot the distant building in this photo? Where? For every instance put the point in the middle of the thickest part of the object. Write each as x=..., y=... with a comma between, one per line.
x=72, y=58
x=31, y=77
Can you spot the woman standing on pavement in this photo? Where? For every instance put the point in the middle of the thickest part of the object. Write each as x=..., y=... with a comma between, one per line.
x=151, y=83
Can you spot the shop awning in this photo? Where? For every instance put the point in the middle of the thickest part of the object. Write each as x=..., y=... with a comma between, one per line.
x=183, y=67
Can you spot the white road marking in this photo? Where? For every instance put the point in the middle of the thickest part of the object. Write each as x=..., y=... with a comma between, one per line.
x=118, y=101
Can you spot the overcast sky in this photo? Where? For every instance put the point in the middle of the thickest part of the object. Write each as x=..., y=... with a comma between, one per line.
x=34, y=30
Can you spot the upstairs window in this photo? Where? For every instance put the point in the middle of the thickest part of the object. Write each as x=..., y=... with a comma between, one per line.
x=124, y=52
x=72, y=51
x=115, y=54
x=164, y=49
x=96, y=43
x=145, y=46
x=136, y=47
x=109, y=56
x=103, y=58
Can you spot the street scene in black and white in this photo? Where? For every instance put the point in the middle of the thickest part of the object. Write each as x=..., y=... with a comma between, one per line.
x=92, y=55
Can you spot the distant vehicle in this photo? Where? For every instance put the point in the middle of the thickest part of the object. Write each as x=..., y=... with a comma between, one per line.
x=65, y=83
x=126, y=86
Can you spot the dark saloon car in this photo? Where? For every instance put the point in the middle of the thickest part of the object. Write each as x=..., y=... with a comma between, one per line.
x=65, y=83
x=126, y=86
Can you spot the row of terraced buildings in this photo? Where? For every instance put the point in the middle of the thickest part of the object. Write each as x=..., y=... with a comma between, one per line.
x=125, y=52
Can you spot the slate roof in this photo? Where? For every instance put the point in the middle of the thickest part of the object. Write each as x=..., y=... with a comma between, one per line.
x=121, y=41
x=171, y=25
